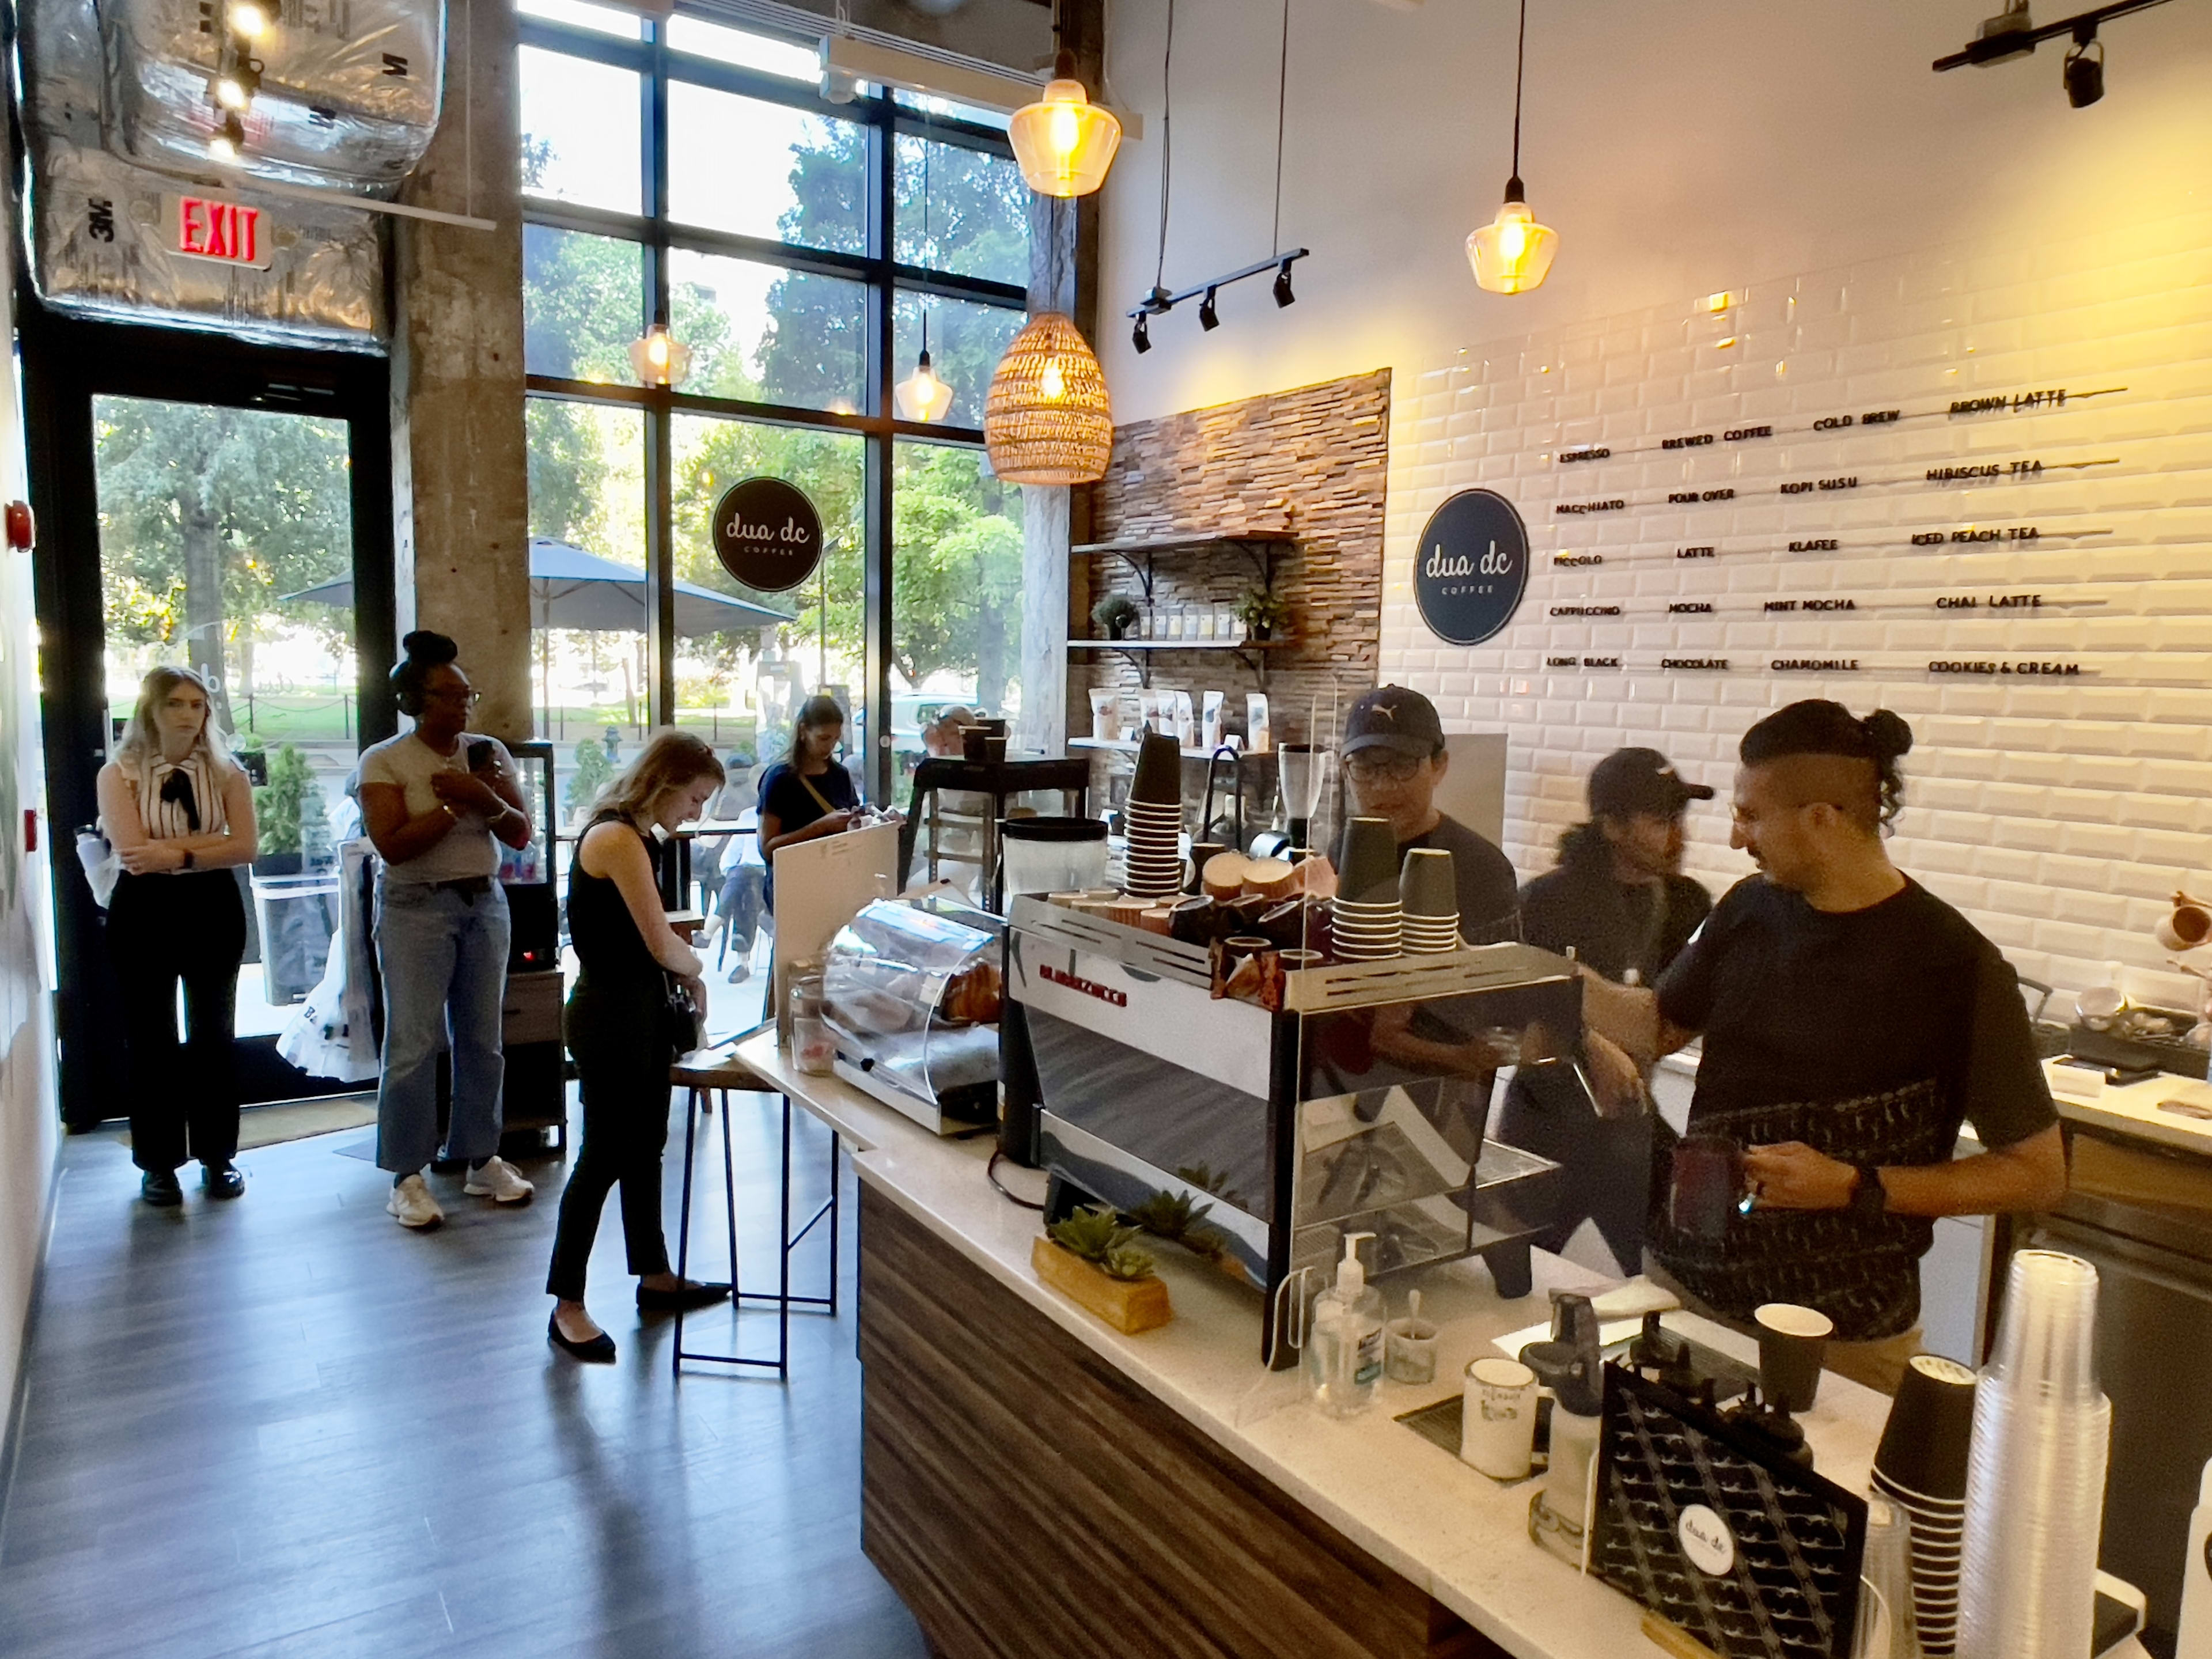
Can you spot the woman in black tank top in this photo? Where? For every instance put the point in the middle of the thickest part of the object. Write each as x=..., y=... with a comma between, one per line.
x=622, y=1034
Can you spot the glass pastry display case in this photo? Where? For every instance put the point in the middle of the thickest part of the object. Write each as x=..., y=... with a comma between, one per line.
x=911, y=994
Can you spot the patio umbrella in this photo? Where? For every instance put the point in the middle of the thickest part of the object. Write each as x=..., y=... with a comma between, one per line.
x=572, y=589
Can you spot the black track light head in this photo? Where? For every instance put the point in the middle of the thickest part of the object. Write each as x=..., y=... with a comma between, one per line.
x=1141, y=335
x=1283, y=294
x=1209, y=317
x=2084, y=75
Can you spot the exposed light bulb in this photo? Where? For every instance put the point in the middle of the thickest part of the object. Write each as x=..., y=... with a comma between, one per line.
x=228, y=140
x=1051, y=384
x=1512, y=253
x=921, y=396
x=230, y=92
x=250, y=18
x=1064, y=131
x=659, y=358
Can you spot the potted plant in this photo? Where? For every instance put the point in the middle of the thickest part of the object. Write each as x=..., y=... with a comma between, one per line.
x=1089, y=1258
x=1262, y=611
x=1114, y=616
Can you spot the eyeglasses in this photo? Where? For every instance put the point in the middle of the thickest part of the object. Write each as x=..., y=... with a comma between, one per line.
x=1385, y=766
x=468, y=696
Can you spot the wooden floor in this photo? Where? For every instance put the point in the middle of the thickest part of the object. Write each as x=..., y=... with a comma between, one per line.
x=286, y=1425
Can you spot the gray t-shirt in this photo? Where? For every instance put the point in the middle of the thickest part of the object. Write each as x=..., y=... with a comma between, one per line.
x=468, y=849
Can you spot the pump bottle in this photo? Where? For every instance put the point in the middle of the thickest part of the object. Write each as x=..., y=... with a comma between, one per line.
x=1344, y=1343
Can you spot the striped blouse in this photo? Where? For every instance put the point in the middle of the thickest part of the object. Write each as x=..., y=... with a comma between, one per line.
x=180, y=798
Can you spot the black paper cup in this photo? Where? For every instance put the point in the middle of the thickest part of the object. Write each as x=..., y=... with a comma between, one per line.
x=1159, y=771
x=1426, y=883
x=1931, y=1422
x=1367, y=861
x=1792, y=1341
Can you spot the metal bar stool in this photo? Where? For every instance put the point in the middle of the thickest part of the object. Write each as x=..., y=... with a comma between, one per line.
x=719, y=1070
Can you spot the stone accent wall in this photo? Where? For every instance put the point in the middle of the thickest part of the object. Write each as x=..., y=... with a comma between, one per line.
x=1317, y=460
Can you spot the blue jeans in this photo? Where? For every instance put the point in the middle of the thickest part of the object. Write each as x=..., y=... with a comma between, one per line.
x=443, y=958
x=740, y=902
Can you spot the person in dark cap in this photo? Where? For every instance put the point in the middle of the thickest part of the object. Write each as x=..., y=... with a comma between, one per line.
x=1394, y=758
x=1620, y=903
x=1851, y=1022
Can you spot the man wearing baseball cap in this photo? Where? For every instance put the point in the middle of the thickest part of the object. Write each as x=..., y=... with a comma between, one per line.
x=1394, y=758
x=1620, y=902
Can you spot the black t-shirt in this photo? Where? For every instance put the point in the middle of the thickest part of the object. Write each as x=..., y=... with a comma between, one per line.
x=1869, y=1035
x=1489, y=894
x=1613, y=925
x=784, y=793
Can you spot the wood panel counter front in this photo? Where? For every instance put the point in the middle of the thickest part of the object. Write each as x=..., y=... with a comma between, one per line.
x=1035, y=1483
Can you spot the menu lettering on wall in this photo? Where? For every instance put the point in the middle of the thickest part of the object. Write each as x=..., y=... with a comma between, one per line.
x=1738, y=434
x=1692, y=441
x=1677, y=497
x=1691, y=608
x=1818, y=545
x=1615, y=504
x=2053, y=669
x=1814, y=665
x=1693, y=553
x=1672, y=664
x=1586, y=611
x=1807, y=486
x=1588, y=453
x=1572, y=561
x=2053, y=397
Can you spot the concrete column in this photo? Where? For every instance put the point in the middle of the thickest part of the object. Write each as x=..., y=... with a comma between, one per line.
x=460, y=473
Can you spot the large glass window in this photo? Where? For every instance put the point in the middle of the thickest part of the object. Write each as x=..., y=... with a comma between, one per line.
x=745, y=218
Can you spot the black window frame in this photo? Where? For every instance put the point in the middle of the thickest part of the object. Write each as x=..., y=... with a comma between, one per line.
x=886, y=119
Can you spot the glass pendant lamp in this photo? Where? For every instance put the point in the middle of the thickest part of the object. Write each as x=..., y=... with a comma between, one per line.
x=1513, y=253
x=1064, y=142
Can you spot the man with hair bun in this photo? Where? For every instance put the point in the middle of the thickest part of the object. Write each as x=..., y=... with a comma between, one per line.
x=1852, y=1021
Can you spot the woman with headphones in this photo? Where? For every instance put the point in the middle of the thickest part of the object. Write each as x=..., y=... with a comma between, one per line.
x=438, y=801
x=180, y=814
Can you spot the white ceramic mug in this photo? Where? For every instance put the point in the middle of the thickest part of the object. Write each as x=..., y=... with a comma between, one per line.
x=2188, y=927
x=1497, y=1421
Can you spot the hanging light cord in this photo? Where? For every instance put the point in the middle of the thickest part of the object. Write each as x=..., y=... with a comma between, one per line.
x=1167, y=138
x=1282, y=85
x=1520, y=65
x=928, y=251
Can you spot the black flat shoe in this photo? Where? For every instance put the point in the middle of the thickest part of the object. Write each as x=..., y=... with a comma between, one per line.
x=159, y=1188
x=223, y=1180
x=683, y=1300
x=599, y=1350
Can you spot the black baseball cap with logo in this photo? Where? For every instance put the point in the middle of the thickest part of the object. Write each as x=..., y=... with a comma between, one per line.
x=1396, y=718
x=1629, y=782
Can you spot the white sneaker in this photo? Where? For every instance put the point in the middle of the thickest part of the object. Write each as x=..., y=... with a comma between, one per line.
x=500, y=1181
x=410, y=1202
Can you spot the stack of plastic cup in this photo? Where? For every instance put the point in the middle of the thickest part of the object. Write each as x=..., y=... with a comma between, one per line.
x=1367, y=922
x=2035, y=1473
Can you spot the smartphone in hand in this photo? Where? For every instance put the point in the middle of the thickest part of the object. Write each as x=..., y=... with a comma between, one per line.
x=483, y=755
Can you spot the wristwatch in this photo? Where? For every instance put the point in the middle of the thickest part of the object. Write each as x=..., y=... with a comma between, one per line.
x=1869, y=1197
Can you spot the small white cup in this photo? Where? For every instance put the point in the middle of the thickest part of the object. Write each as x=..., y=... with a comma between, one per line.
x=1497, y=1422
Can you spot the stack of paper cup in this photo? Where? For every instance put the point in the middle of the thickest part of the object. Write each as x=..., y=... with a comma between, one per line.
x=1921, y=1468
x=2035, y=1471
x=1367, y=922
x=1153, y=863
x=1428, y=889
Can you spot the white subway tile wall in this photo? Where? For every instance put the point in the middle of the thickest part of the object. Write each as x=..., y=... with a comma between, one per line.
x=2058, y=811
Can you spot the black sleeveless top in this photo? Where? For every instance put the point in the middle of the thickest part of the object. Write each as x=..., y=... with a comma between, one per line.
x=610, y=950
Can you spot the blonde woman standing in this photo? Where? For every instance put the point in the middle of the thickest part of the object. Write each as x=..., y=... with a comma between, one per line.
x=179, y=812
x=622, y=1032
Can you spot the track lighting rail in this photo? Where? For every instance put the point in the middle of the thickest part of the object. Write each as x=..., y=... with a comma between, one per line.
x=1157, y=302
x=1991, y=48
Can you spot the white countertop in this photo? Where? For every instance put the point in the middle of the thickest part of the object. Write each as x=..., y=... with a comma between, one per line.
x=1455, y=1534
x=2133, y=1110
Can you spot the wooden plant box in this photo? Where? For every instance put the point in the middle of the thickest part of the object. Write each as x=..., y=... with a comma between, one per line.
x=1129, y=1305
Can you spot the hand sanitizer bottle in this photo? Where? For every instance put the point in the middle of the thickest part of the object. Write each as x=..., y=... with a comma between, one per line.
x=1344, y=1349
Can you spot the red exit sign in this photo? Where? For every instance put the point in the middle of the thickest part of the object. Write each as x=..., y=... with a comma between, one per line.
x=216, y=228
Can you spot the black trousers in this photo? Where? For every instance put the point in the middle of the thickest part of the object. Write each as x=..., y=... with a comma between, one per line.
x=160, y=930
x=1605, y=1165
x=623, y=1059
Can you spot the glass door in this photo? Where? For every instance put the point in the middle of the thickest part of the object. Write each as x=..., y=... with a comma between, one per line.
x=226, y=544
x=227, y=506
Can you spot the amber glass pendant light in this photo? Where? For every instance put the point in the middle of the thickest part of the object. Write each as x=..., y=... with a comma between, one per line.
x=1513, y=253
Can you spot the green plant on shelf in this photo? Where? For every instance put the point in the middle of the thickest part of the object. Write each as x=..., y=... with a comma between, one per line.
x=1096, y=1234
x=1262, y=611
x=1113, y=615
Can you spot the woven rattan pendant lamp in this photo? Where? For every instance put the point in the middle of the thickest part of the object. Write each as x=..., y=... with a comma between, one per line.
x=1048, y=419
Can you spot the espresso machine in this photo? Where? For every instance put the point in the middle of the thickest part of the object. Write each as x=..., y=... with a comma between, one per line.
x=1359, y=1104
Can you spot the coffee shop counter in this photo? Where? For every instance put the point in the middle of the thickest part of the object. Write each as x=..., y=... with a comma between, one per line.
x=1035, y=1482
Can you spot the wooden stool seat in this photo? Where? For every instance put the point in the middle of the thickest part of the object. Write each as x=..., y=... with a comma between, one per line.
x=718, y=1068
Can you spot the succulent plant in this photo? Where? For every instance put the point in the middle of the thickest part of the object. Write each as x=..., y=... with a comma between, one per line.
x=1126, y=1263
x=1092, y=1233
x=1168, y=1215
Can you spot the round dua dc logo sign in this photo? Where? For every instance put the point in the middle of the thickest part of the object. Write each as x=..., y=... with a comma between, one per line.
x=766, y=534
x=1471, y=567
